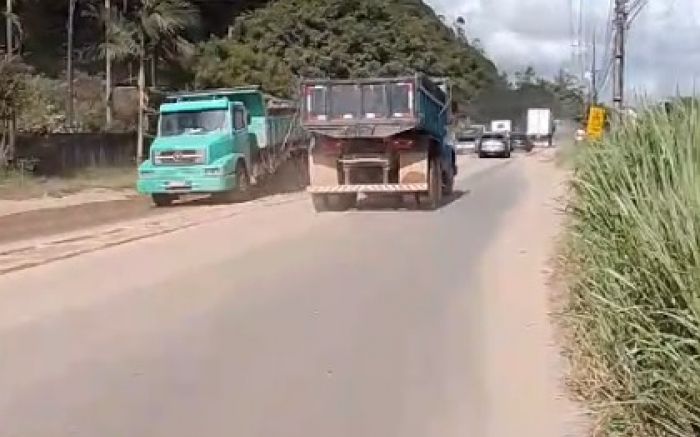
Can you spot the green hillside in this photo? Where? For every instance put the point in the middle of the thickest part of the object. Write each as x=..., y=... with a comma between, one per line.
x=340, y=39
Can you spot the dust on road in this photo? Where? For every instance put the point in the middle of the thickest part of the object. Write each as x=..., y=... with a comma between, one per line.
x=272, y=328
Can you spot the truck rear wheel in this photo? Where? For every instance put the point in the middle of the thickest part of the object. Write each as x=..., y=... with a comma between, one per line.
x=449, y=182
x=435, y=183
x=320, y=202
x=162, y=200
x=243, y=189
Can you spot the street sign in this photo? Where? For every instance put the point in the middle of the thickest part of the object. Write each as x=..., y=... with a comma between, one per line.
x=596, y=122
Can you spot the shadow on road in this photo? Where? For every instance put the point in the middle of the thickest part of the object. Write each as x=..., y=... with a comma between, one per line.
x=404, y=202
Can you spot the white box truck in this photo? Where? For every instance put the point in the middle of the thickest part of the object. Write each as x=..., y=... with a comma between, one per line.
x=502, y=126
x=540, y=126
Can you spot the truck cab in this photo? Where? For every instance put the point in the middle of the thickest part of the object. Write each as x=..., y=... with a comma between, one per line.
x=202, y=146
x=219, y=142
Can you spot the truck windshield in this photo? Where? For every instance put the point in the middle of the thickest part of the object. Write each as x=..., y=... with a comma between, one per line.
x=193, y=122
x=346, y=101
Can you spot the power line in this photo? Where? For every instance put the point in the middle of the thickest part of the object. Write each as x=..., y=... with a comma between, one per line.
x=635, y=10
x=581, y=39
x=604, y=73
x=572, y=32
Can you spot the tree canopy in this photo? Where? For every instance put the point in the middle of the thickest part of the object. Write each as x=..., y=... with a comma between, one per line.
x=510, y=99
x=341, y=39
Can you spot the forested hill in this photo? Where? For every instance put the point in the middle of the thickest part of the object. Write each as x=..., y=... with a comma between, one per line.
x=341, y=39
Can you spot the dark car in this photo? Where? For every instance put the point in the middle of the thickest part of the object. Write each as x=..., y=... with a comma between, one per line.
x=494, y=144
x=520, y=141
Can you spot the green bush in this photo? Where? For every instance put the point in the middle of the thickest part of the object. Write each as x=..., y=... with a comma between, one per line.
x=634, y=250
x=44, y=110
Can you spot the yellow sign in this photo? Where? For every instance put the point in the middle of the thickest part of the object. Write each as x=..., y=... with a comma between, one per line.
x=596, y=122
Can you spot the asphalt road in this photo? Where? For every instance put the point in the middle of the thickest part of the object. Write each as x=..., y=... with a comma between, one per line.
x=278, y=322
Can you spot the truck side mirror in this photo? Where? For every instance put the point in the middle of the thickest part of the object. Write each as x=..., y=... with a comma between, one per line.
x=249, y=118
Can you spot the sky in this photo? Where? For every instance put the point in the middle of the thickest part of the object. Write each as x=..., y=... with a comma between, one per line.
x=663, y=48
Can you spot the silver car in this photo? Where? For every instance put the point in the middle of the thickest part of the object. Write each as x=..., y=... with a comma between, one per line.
x=494, y=144
x=467, y=141
x=465, y=144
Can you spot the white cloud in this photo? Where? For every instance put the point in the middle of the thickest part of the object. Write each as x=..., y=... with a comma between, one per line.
x=663, y=50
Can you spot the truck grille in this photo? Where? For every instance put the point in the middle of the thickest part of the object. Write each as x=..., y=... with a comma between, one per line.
x=179, y=157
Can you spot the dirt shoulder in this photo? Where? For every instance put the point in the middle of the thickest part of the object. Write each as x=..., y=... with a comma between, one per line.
x=32, y=208
x=40, y=222
x=526, y=370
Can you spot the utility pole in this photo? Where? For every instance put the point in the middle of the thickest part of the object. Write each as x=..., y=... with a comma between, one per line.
x=619, y=61
x=69, y=66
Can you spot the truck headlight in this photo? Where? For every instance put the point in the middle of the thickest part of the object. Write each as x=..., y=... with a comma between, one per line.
x=213, y=171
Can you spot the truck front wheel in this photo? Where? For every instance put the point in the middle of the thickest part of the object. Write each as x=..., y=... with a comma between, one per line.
x=162, y=200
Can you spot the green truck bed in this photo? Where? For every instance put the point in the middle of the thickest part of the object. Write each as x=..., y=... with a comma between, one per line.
x=274, y=122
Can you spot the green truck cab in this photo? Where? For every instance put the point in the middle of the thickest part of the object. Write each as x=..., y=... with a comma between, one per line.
x=218, y=142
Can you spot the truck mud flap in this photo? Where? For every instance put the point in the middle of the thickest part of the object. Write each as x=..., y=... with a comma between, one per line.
x=323, y=169
x=413, y=168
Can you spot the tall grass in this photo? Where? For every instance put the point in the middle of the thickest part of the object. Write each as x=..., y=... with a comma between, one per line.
x=634, y=252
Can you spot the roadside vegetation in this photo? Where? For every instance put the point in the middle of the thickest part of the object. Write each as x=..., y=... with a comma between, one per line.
x=21, y=184
x=634, y=263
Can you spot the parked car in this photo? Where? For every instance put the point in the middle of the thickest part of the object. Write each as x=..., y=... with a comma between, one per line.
x=494, y=144
x=468, y=140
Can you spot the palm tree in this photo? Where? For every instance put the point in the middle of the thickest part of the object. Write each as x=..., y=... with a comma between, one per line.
x=158, y=23
x=135, y=32
x=13, y=30
x=10, y=20
x=118, y=45
x=69, y=64
x=12, y=26
x=108, y=65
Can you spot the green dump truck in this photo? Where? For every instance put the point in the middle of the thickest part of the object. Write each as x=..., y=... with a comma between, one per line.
x=219, y=142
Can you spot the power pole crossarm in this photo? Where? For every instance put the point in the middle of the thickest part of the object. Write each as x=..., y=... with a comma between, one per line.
x=621, y=14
